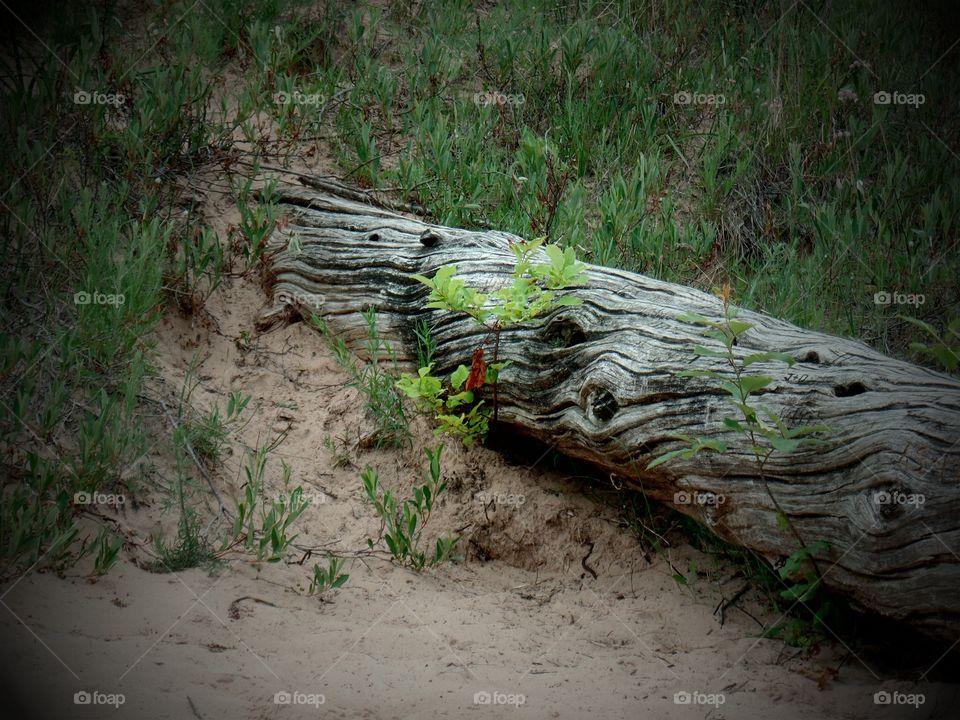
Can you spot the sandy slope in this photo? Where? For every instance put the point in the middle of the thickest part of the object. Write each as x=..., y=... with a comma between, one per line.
x=529, y=627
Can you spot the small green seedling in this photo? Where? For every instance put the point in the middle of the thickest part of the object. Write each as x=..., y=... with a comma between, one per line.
x=327, y=578
x=402, y=522
x=766, y=433
x=532, y=293
x=262, y=524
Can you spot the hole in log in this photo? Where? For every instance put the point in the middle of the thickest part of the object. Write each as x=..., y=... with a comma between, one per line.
x=894, y=501
x=564, y=333
x=429, y=238
x=373, y=237
x=849, y=390
x=603, y=405
x=811, y=357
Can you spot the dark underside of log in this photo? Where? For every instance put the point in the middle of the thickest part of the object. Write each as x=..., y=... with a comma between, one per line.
x=599, y=381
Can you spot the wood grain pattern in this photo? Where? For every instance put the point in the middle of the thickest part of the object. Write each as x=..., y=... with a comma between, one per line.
x=598, y=382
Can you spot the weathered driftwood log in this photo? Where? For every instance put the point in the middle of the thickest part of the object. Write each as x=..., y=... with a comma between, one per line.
x=599, y=382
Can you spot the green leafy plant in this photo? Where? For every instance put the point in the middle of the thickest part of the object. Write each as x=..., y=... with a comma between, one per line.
x=327, y=578
x=426, y=344
x=37, y=523
x=108, y=547
x=257, y=217
x=262, y=525
x=195, y=258
x=209, y=433
x=431, y=394
x=384, y=403
x=532, y=293
x=402, y=521
x=803, y=585
x=763, y=428
x=946, y=349
x=190, y=548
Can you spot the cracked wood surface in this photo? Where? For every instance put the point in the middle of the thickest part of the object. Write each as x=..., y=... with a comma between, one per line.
x=598, y=382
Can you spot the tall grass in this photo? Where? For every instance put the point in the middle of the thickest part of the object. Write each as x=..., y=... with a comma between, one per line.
x=699, y=143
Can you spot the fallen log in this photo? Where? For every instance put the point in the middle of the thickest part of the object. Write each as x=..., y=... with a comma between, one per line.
x=599, y=381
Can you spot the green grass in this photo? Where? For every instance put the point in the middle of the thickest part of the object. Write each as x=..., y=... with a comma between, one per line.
x=374, y=376
x=97, y=247
x=806, y=200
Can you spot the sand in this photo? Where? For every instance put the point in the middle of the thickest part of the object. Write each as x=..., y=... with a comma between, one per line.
x=518, y=628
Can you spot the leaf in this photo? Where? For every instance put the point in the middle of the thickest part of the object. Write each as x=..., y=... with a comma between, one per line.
x=776, y=631
x=920, y=324
x=707, y=352
x=768, y=356
x=664, y=458
x=785, y=445
x=493, y=371
x=748, y=413
x=752, y=383
x=428, y=497
x=692, y=317
x=555, y=253
x=710, y=444
x=444, y=274
x=734, y=390
x=695, y=446
x=478, y=370
x=459, y=399
x=722, y=335
x=733, y=424
x=799, y=593
x=459, y=375
x=947, y=357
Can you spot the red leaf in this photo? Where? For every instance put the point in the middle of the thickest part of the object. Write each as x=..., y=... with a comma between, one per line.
x=478, y=370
